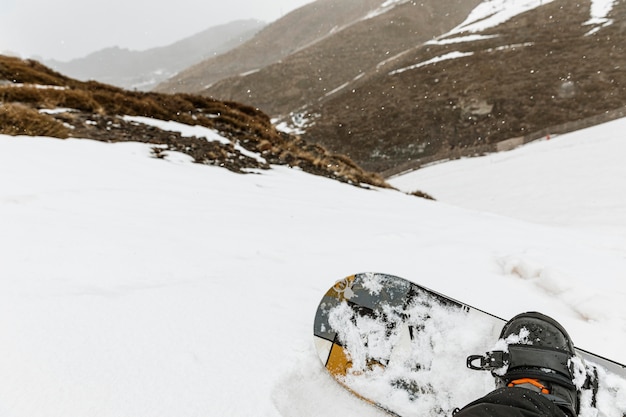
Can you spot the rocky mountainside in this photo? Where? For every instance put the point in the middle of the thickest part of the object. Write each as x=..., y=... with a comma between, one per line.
x=143, y=70
x=465, y=93
x=36, y=101
x=408, y=81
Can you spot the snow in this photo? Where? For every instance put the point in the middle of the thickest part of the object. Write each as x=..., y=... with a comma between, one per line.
x=491, y=13
x=297, y=122
x=385, y=7
x=131, y=285
x=336, y=90
x=558, y=176
x=450, y=55
x=57, y=110
x=460, y=39
x=416, y=361
x=38, y=86
x=185, y=130
x=599, y=11
x=191, y=131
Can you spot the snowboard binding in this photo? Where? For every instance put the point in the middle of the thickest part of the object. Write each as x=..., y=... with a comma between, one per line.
x=538, y=354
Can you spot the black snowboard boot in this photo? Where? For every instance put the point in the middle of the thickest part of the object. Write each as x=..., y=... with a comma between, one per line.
x=539, y=359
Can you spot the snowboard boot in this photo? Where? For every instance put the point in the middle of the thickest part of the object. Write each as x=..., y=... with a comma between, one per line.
x=538, y=357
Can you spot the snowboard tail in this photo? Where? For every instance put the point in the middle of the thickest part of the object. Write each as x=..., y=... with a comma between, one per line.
x=412, y=351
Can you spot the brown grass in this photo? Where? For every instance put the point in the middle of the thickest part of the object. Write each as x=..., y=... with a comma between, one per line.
x=16, y=119
x=16, y=70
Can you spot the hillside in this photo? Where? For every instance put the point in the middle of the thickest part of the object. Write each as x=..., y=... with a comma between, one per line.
x=295, y=31
x=37, y=101
x=314, y=73
x=540, y=69
x=422, y=81
x=142, y=70
x=549, y=173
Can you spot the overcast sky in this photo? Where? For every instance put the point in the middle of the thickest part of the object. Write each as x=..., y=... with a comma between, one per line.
x=66, y=29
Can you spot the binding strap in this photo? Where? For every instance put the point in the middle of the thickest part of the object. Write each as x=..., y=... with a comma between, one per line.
x=527, y=361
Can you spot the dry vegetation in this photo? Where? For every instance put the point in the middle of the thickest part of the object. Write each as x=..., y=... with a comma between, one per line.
x=93, y=111
x=18, y=119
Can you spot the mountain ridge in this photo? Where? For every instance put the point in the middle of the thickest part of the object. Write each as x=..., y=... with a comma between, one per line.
x=143, y=70
x=298, y=29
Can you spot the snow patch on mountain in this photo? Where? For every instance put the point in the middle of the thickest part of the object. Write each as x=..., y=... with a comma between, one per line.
x=599, y=12
x=451, y=55
x=492, y=13
x=190, y=131
x=385, y=7
x=460, y=39
x=183, y=129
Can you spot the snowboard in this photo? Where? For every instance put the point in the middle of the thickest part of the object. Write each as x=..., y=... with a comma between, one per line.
x=411, y=351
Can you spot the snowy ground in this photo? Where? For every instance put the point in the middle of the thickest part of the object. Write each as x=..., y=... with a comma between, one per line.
x=577, y=180
x=133, y=286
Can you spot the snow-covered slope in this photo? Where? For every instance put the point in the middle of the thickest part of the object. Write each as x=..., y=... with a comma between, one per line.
x=577, y=180
x=491, y=13
x=134, y=286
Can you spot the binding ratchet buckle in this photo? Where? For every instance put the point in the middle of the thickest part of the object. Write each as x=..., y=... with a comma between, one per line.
x=489, y=361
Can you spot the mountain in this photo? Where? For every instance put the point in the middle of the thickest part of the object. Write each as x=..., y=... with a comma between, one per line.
x=412, y=82
x=142, y=70
x=293, y=32
x=309, y=75
x=549, y=69
x=36, y=101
